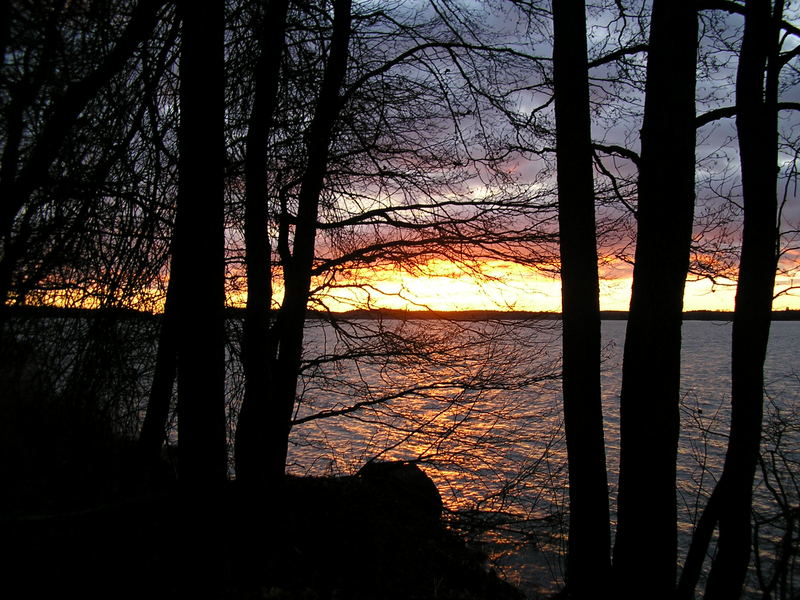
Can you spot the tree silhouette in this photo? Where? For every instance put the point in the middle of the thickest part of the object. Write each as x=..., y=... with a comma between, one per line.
x=756, y=124
x=730, y=504
x=28, y=155
x=588, y=559
x=252, y=445
x=198, y=273
x=649, y=419
x=303, y=149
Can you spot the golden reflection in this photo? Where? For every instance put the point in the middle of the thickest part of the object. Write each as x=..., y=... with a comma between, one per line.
x=458, y=407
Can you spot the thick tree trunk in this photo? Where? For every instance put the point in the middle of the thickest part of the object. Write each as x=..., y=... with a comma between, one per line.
x=756, y=123
x=199, y=271
x=198, y=259
x=252, y=445
x=588, y=559
x=297, y=272
x=645, y=552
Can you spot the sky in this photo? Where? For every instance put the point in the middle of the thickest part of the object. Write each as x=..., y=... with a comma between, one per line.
x=440, y=285
x=508, y=286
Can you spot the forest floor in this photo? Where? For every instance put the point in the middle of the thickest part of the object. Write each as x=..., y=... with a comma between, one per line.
x=375, y=535
x=80, y=517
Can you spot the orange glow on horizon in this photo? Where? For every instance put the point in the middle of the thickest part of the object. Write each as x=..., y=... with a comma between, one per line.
x=440, y=285
x=498, y=285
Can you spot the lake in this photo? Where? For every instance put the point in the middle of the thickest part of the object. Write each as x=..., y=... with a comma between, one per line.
x=478, y=405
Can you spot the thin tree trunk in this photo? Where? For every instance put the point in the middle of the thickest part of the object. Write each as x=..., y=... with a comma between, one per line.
x=588, y=559
x=645, y=552
x=252, y=445
x=260, y=503
x=152, y=435
x=291, y=318
x=701, y=539
x=756, y=123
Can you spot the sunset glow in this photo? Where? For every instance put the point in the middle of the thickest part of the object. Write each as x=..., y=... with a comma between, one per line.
x=442, y=286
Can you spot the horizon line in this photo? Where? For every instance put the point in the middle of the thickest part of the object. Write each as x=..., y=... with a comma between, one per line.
x=410, y=314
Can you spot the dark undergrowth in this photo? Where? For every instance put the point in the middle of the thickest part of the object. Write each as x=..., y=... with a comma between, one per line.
x=366, y=536
x=81, y=517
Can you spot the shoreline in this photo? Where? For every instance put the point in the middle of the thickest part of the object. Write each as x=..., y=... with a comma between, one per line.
x=391, y=314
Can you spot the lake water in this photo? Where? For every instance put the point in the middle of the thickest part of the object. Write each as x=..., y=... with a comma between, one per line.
x=478, y=405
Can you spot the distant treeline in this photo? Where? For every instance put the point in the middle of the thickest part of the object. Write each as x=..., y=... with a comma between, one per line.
x=487, y=315
x=403, y=315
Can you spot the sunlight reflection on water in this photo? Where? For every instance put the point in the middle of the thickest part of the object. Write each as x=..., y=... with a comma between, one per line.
x=478, y=405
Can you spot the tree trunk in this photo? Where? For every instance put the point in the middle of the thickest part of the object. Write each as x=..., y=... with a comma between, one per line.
x=645, y=552
x=261, y=501
x=756, y=123
x=152, y=436
x=701, y=539
x=297, y=272
x=252, y=445
x=588, y=558
x=199, y=271
x=198, y=259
